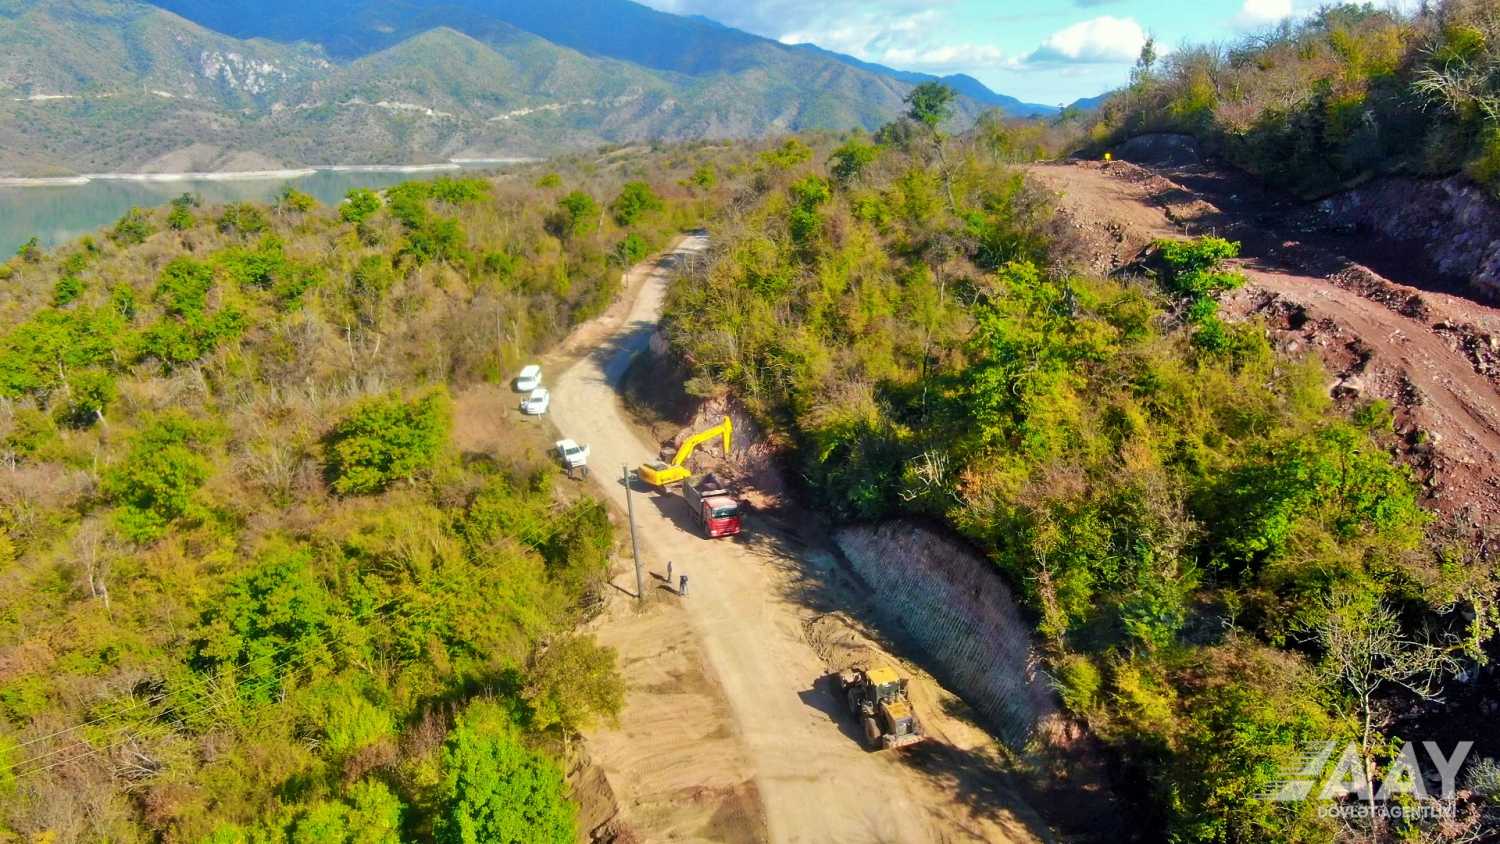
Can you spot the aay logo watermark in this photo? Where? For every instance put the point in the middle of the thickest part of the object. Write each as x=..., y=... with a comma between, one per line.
x=1308, y=777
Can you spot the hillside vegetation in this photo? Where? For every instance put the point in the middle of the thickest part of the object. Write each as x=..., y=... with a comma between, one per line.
x=274, y=567
x=1352, y=91
x=1209, y=545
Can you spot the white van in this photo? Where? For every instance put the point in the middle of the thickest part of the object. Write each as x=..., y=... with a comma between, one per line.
x=537, y=402
x=529, y=379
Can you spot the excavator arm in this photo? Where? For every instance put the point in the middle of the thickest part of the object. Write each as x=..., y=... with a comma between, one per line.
x=725, y=429
x=660, y=474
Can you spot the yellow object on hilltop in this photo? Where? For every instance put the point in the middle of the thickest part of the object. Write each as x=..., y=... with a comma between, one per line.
x=1109, y=156
x=659, y=474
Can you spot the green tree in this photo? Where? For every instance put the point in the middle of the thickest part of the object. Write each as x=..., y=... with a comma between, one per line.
x=295, y=200
x=132, y=229
x=272, y=622
x=849, y=161
x=182, y=287
x=180, y=217
x=243, y=218
x=90, y=393
x=154, y=484
x=495, y=791
x=635, y=201
x=577, y=214
x=67, y=288
x=632, y=250
x=437, y=238
x=459, y=191
x=372, y=278
x=791, y=153
x=574, y=683
x=930, y=104
x=387, y=439
x=31, y=250
x=359, y=205
x=705, y=177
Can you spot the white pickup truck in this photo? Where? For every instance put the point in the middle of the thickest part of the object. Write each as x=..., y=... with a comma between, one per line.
x=572, y=455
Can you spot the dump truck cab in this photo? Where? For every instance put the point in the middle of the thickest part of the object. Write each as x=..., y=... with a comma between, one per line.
x=713, y=505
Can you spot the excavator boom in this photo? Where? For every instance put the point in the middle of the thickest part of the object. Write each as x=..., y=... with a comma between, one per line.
x=660, y=474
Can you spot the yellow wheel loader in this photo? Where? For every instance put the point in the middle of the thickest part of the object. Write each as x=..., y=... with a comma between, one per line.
x=878, y=698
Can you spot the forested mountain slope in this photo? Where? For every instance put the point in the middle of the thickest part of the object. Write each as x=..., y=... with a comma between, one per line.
x=276, y=565
x=1199, y=529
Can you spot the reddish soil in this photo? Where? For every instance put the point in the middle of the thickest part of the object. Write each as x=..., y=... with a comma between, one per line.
x=1395, y=334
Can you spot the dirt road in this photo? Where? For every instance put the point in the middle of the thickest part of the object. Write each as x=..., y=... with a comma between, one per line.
x=1386, y=329
x=815, y=782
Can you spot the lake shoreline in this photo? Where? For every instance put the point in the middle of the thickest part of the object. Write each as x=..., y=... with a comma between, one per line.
x=250, y=175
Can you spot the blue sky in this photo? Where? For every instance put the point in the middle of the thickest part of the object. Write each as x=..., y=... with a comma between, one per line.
x=1040, y=51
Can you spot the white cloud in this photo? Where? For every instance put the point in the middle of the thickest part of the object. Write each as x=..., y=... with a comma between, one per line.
x=907, y=34
x=1259, y=13
x=1102, y=40
x=947, y=57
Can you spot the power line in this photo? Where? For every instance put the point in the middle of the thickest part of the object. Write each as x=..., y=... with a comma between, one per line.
x=379, y=612
x=116, y=744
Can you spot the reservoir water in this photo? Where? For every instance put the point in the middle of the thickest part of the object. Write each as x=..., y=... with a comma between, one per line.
x=58, y=213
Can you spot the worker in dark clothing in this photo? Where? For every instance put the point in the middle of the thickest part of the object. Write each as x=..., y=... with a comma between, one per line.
x=682, y=586
x=669, y=572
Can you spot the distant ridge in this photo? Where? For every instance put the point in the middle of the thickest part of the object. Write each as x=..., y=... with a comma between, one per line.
x=960, y=82
x=97, y=86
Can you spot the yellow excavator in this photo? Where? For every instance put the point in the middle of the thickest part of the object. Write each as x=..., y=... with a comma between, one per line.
x=662, y=475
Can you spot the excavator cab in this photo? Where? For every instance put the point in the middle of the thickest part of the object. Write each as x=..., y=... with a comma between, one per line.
x=661, y=474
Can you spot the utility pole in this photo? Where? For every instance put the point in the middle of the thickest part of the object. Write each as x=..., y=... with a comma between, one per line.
x=635, y=546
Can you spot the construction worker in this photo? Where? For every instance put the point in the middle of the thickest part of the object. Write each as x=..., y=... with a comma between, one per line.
x=682, y=586
x=669, y=572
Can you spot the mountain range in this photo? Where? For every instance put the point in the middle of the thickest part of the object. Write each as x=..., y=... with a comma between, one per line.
x=194, y=85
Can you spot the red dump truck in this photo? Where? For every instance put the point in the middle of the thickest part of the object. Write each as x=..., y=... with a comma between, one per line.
x=713, y=505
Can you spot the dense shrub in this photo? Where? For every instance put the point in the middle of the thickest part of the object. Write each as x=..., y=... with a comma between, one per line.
x=132, y=229
x=494, y=789
x=157, y=480
x=275, y=620
x=636, y=200
x=387, y=439
x=577, y=214
x=359, y=205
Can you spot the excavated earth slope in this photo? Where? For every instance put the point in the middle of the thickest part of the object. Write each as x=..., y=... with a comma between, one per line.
x=1384, y=320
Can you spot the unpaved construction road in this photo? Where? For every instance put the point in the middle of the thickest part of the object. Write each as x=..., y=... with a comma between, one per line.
x=1387, y=329
x=775, y=734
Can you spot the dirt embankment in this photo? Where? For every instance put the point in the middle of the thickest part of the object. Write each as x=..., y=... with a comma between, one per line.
x=1375, y=310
